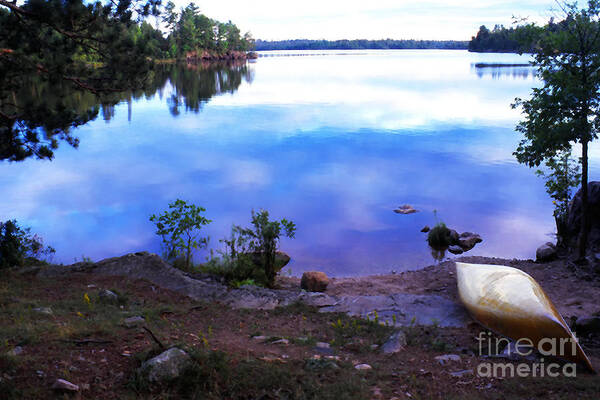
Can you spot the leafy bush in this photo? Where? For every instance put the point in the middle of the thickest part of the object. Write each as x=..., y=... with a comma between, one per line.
x=439, y=236
x=562, y=174
x=179, y=228
x=19, y=247
x=251, y=253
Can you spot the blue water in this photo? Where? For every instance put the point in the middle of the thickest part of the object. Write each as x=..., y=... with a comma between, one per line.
x=332, y=142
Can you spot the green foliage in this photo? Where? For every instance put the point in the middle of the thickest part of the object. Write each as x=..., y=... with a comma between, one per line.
x=214, y=375
x=192, y=31
x=19, y=247
x=561, y=174
x=179, y=228
x=347, y=330
x=56, y=41
x=263, y=240
x=251, y=253
x=306, y=44
x=565, y=109
x=519, y=39
x=439, y=236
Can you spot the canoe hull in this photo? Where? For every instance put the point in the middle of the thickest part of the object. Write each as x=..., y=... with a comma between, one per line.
x=511, y=303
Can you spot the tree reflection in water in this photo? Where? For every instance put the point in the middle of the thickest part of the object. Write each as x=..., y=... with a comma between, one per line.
x=40, y=114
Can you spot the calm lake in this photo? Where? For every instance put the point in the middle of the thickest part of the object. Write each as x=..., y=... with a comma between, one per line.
x=334, y=142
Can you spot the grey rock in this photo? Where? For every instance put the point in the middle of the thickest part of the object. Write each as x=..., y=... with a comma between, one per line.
x=585, y=325
x=462, y=373
x=322, y=345
x=261, y=338
x=405, y=209
x=326, y=351
x=453, y=236
x=133, y=321
x=399, y=309
x=66, y=386
x=106, y=296
x=455, y=249
x=165, y=366
x=363, y=367
x=447, y=358
x=395, y=343
x=573, y=225
x=545, y=252
x=284, y=342
x=468, y=241
x=43, y=310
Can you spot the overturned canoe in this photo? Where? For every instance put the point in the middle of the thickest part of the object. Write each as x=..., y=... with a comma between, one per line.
x=511, y=303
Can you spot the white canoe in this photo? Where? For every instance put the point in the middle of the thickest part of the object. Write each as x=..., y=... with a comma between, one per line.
x=511, y=303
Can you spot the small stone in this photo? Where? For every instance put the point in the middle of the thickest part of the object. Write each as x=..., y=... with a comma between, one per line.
x=462, y=373
x=322, y=345
x=314, y=281
x=133, y=321
x=43, y=310
x=405, y=209
x=425, y=229
x=363, y=367
x=468, y=240
x=374, y=346
x=281, y=341
x=446, y=358
x=64, y=385
x=261, y=338
x=15, y=351
x=167, y=365
x=106, y=296
x=455, y=249
x=395, y=343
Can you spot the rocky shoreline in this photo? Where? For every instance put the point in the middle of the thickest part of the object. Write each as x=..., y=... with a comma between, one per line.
x=428, y=295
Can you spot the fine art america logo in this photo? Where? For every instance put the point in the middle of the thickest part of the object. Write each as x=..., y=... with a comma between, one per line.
x=524, y=348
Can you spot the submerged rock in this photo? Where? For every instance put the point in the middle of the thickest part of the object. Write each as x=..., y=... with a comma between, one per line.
x=405, y=209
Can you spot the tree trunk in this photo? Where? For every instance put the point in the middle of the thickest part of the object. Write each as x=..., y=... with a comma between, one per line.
x=583, y=233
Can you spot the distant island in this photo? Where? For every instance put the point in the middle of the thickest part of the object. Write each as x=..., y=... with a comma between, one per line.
x=359, y=44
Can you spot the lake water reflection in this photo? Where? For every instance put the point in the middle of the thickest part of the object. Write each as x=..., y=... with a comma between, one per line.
x=333, y=142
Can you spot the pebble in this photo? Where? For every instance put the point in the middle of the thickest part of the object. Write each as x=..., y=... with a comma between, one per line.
x=62, y=384
x=362, y=367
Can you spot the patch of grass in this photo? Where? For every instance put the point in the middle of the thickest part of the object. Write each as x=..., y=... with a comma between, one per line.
x=295, y=308
x=368, y=331
x=214, y=375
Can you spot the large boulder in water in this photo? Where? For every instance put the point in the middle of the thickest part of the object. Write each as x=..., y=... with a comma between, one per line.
x=573, y=226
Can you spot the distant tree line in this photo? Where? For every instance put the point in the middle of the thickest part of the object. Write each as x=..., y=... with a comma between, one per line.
x=359, y=44
x=519, y=39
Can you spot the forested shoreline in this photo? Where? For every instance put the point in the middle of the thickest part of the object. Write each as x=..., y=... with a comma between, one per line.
x=359, y=44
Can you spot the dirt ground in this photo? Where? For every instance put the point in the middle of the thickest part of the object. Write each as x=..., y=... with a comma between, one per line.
x=85, y=342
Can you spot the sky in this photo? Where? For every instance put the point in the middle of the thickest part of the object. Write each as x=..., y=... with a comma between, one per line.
x=376, y=19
